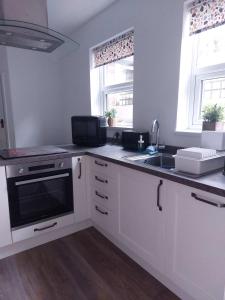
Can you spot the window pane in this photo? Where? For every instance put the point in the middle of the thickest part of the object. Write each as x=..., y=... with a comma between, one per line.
x=213, y=92
x=122, y=102
x=120, y=71
x=211, y=47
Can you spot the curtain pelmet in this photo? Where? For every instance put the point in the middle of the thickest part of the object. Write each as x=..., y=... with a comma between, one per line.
x=206, y=14
x=116, y=49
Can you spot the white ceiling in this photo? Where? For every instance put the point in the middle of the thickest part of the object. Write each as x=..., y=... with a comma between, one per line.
x=67, y=15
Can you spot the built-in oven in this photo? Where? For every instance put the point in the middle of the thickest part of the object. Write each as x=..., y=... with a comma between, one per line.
x=39, y=190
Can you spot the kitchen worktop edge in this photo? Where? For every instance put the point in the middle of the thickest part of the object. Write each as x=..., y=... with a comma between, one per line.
x=213, y=183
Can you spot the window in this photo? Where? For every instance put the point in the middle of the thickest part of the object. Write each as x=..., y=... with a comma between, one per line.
x=118, y=90
x=202, y=76
x=113, y=74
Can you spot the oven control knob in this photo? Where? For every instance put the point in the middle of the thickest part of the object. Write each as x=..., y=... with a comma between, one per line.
x=21, y=170
x=61, y=164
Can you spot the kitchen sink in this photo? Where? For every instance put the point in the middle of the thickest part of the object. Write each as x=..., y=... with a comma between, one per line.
x=162, y=160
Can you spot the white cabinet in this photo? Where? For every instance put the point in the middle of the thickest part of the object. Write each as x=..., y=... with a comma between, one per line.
x=195, y=234
x=104, y=218
x=175, y=229
x=141, y=215
x=185, y=240
x=5, y=230
x=103, y=194
x=81, y=201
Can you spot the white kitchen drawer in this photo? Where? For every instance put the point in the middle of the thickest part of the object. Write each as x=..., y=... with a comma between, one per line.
x=41, y=228
x=104, y=167
x=105, y=197
x=104, y=218
x=104, y=182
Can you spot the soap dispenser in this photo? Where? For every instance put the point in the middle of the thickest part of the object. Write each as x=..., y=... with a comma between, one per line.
x=140, y=143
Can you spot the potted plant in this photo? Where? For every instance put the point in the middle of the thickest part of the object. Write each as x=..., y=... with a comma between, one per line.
x=111, y=116
x=212, y=116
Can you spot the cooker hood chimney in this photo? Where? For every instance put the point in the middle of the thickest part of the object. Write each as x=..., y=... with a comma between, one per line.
x=24, y=24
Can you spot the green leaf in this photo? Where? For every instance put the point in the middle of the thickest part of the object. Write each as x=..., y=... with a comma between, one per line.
x=213, y=113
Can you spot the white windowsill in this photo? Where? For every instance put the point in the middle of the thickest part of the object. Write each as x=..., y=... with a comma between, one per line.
x=188, y=132
x=118, y=127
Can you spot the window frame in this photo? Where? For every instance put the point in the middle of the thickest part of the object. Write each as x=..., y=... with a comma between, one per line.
x=190, y=94
x=206, y=74
x=111, y=89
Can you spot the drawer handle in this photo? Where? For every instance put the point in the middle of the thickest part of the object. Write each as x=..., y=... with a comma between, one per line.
x=101, y=180
x=80, y=169
x=101, y=196
x=217, y=204
x=158, y=195
x=101, y=211
x=44, y=228
x=101, y=164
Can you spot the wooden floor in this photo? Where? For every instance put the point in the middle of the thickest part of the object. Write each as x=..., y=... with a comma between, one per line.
x=84, y=265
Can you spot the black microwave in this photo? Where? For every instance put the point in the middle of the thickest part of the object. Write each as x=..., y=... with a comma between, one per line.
x=89, y=130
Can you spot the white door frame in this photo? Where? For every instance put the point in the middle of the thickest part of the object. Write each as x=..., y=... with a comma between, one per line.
x=9, y=129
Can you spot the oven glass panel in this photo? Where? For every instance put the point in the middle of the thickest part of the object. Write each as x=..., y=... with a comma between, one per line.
x=37, y=198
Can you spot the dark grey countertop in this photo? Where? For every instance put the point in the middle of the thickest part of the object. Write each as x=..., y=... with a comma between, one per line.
x=213, y=183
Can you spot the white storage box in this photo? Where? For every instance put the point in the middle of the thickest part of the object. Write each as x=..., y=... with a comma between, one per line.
x=198, y=166
x=196, y=153
x=213, y=140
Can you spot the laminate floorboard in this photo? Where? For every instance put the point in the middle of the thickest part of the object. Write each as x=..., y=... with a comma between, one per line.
x=82, y=266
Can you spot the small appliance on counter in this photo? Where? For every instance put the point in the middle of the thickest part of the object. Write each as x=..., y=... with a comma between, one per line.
x=135, y=140
x=89, y=130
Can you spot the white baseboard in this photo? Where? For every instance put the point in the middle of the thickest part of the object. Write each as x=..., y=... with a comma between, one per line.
x=45, y=238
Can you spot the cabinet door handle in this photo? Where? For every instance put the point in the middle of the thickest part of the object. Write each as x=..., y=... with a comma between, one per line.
x=217, y=204
x=46, y=227
x=101, y=211
x=101, y=180
x=2, y=123
x=80, y=169
x=158, y=195
x=100, y=195
x=101, y=164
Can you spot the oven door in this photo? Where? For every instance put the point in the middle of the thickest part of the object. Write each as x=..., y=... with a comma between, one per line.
x=40, y=196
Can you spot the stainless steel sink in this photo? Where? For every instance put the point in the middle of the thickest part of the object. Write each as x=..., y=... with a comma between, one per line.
x=161, y=160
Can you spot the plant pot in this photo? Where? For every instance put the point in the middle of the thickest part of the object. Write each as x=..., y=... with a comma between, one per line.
x=111, y=122
x=212, y=126
x=209, y=126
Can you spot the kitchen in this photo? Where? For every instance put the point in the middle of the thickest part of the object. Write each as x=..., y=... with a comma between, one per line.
x=183, y=251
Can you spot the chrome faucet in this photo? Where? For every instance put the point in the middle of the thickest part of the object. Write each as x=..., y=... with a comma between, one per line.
x=155, y=131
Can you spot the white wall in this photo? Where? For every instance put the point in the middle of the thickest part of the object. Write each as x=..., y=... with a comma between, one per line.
x=158, y=32
x=44, y=95
x=36, y=97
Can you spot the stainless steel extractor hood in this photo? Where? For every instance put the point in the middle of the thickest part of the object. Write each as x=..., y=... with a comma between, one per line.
x=24, y=24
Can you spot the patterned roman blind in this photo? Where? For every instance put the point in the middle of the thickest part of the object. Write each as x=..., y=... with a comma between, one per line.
x=206, y=14
x=118, y=48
